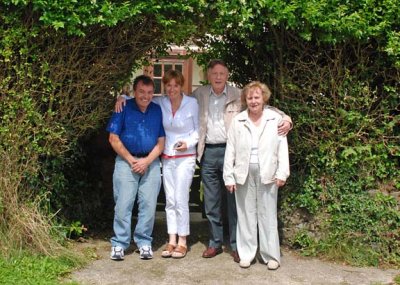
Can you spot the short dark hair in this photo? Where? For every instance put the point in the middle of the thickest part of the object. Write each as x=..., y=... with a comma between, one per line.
x=146, y=80
x=215, y=62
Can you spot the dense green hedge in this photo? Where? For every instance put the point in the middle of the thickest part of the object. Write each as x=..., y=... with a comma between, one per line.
x=60, y=62
x=334, y=67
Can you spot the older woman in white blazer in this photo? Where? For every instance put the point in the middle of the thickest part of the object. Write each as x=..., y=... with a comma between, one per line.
x=256, y=165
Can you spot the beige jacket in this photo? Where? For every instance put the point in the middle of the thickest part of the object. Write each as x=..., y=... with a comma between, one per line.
x=273, y=151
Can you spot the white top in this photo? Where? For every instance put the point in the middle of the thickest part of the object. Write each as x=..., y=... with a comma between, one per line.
x=183, y=126
x=255, y=137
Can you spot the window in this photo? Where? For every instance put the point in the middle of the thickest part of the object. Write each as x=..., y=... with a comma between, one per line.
x=159, y=68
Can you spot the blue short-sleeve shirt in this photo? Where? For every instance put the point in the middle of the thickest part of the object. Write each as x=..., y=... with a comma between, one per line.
x=138, y=131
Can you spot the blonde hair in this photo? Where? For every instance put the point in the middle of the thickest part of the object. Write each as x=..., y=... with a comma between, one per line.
x=266, y=93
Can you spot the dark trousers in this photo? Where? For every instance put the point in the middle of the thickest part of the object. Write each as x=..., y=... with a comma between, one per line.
x=212, y=165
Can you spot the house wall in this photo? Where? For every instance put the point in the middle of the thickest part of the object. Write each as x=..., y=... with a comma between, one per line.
x=193, y=72
x=198, y=76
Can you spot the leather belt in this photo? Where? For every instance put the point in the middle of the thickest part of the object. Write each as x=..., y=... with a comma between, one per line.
x=139, y=155
x=211, y=145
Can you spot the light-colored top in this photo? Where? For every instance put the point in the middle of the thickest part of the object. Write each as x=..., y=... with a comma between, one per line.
x=273, y=153
x=255, y=137
x=216, y=132
x=182, y=126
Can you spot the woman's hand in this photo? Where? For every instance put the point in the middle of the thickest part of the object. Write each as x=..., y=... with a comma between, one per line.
x=279, y=182
x=180, y=146
x=231, y=188
x=120, y=104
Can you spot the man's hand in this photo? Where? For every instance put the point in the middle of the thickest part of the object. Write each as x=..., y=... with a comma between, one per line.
x=140, y=166
x=120, y=104
x=284, y=128
x=279, y=182
x=231, y=188
x=132, y=161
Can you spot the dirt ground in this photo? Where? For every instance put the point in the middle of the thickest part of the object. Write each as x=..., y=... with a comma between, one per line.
x=193, y=269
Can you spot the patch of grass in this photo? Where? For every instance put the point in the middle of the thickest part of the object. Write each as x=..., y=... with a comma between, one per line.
x=352, y=252
x=28, y=268
x=397, y=279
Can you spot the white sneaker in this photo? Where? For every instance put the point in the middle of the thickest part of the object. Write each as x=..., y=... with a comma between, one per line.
x=272, y=265
x=244, y=264
x=146, y=252
x=117, y=253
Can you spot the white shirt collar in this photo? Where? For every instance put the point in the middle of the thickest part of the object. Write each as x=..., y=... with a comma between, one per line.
x=213, y=93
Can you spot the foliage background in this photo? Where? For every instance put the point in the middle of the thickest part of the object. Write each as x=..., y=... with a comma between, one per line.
x=60, y=62
x=332, y=65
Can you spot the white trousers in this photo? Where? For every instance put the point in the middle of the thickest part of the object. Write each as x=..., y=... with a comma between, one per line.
x=257, y=206
x=177, y=179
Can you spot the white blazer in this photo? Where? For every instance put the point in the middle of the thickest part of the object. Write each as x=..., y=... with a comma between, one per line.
x=273, y=151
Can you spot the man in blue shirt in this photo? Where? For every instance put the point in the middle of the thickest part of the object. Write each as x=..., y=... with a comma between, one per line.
x=137, y=136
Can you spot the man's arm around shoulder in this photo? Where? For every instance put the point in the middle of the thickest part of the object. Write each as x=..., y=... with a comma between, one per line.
x=286, y=124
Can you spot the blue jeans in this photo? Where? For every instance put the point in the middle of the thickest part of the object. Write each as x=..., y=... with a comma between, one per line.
x=127, y=185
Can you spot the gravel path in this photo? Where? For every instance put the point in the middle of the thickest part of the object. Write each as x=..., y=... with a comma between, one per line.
x=193, y=269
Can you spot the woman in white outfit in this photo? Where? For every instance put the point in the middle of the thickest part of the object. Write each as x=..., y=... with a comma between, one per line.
x=256, y=165
x=181, y=124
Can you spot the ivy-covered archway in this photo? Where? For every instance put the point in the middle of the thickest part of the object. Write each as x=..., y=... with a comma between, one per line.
x=333, y=66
